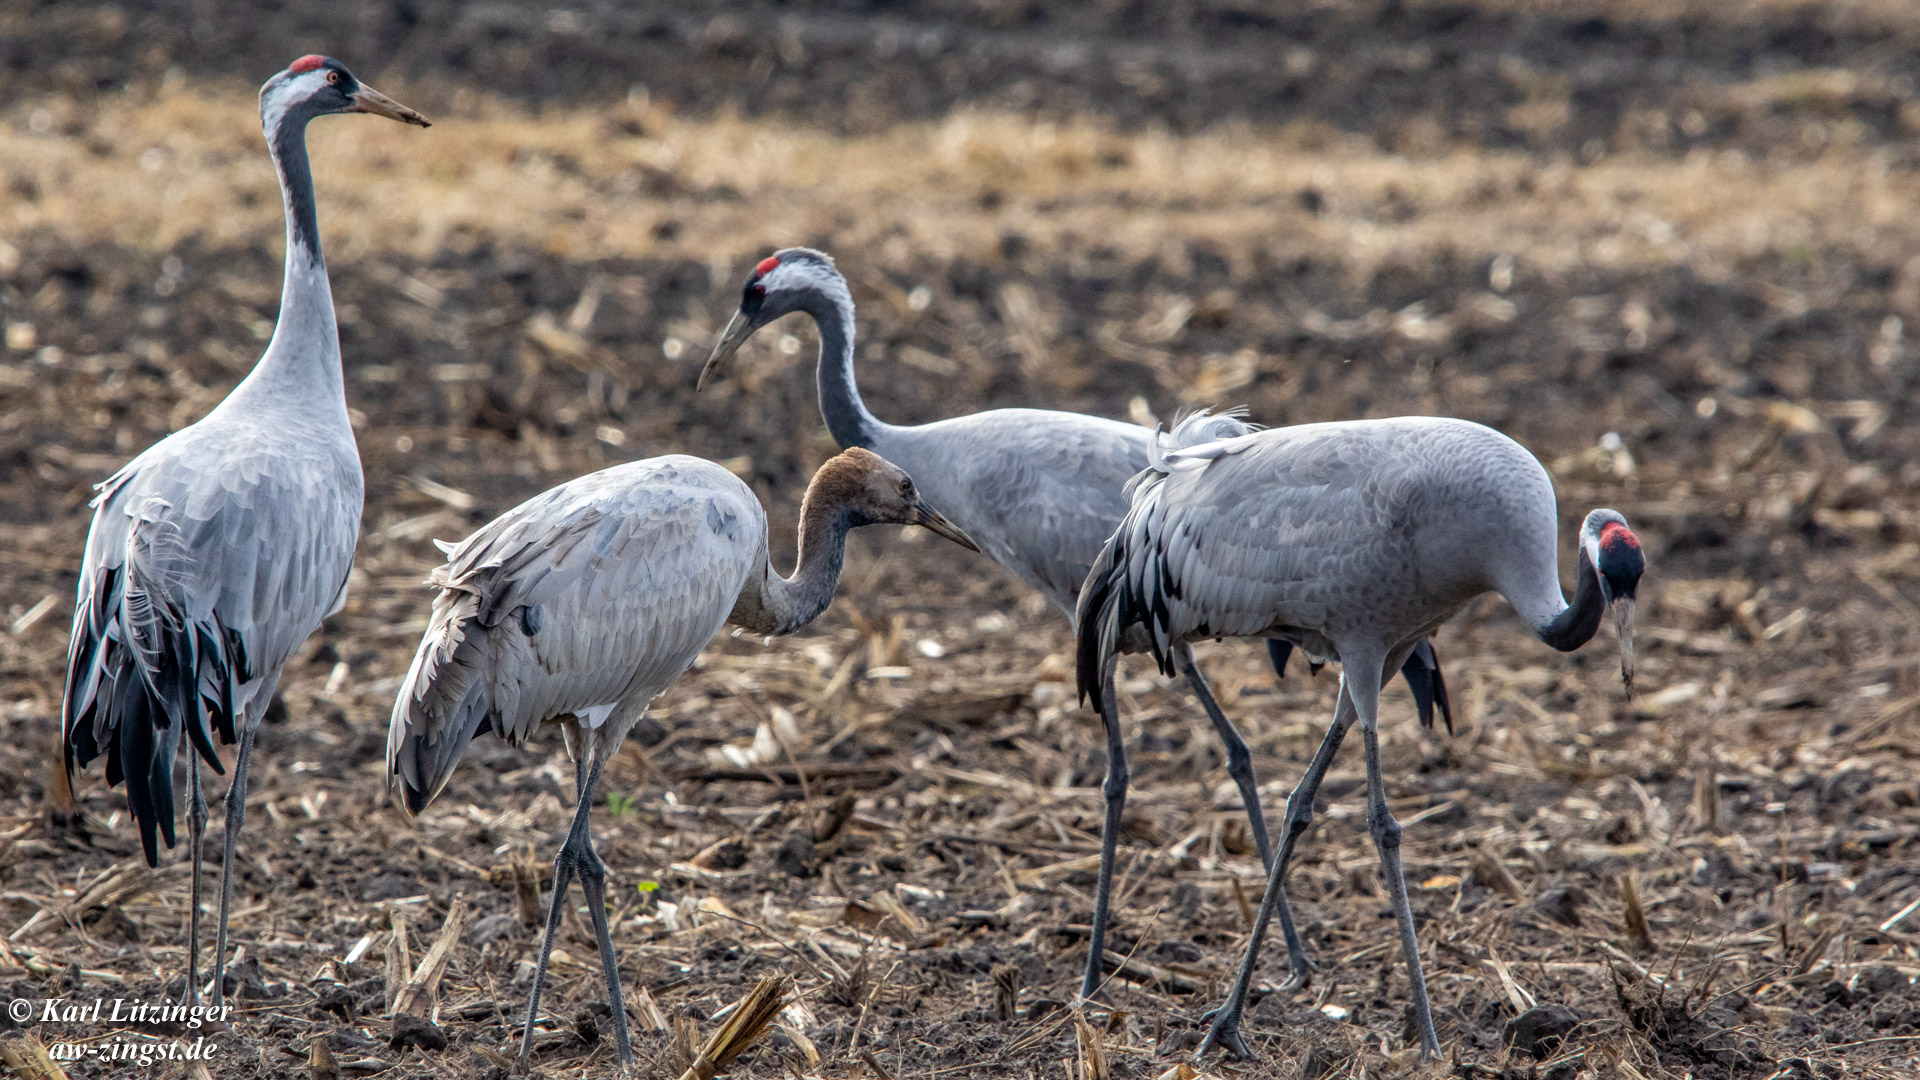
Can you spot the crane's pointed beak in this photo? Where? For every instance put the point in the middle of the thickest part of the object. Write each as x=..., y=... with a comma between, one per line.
x=930, y=519
x=368, y=100
x=738, y=330
x=1623, y=626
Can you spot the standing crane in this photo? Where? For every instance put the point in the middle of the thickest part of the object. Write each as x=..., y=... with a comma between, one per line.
x=218, y=550
x=1353, y=541
x=1040, y=490
x=581, y=605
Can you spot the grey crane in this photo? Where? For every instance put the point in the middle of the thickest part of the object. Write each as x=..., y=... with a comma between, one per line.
x=581, y=605
x=218, y=550
x=1354, y=541
x=1040, y=491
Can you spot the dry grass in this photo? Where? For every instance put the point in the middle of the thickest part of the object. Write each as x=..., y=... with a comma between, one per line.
x=185, y=163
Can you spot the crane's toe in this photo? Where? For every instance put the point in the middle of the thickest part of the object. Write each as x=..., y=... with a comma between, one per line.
x=1223, y=1035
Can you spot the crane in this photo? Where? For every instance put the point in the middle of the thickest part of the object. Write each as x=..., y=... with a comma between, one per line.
x=1040, y=491
x=1353, y=541
x=581, y=605
x=217, y=551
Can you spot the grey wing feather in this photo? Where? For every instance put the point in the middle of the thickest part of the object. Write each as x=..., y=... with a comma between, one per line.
x=1238, y=537
x=198, y=583
x=599, y=592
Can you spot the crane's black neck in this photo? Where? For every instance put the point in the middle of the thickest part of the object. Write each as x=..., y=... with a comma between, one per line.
x=846, y=414
x=287, y=142
x=301, y=366
x=1576, y=625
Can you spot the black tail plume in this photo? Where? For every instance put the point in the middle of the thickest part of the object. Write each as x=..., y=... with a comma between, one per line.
x=1097, y=616
x=1422, y=672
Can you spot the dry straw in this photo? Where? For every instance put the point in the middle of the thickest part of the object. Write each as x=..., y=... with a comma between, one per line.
x=748, y=1021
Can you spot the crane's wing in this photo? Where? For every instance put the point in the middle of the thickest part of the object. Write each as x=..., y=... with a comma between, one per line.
x=599, y=591
x=1240, y=536
x=207, y=564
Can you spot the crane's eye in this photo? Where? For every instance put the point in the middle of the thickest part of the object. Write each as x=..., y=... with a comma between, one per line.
x=757, y=290
x=333, y=77
x=906, y=487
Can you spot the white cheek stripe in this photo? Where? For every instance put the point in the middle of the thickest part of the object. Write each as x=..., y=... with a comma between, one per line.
x=1591, y=541
x=298, y=88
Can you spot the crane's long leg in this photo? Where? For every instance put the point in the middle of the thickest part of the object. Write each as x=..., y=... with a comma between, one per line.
x=593, y=882
x=577, y=856
x=236, y=817
x=1386, y=837
x=1115, y=790
x=1239, y=758
x=1225, y=1032
x=197, y=831
x=562, y=877
x=1240, y=767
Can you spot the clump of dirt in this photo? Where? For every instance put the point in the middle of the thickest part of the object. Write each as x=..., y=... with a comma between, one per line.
x=1699, y=1028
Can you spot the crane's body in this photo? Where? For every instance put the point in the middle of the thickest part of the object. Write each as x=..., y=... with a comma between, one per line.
x=1380, y=529
x=585, y=601
x=1039, y=490
x=215, y=553
x=1353, y=541
x=581, y=605
x=211, y=558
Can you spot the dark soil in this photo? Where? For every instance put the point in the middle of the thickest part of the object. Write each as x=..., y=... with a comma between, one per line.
x=941, y=928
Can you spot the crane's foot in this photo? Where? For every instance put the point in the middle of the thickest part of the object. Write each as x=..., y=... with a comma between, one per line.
x=1223, y=1035
x=1300, y=977
x=1093, y=988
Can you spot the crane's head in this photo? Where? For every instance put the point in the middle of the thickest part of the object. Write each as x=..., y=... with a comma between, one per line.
x=796, y=279
x=870, y=490
x=317, y=85
x=1614, y=553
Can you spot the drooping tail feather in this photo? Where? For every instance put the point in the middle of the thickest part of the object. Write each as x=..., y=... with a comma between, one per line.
x=1096, y=614
x=139, y=676
x=1422, y=672
x=1121, y=589
x=443, y=702
x=1104, y=612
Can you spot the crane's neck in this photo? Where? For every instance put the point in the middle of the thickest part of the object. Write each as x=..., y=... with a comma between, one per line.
x=783, y=605
x=1576, y=623
x=301, y=367
x=846, y=414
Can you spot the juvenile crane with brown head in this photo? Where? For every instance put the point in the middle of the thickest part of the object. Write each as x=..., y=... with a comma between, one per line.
x=581, y=605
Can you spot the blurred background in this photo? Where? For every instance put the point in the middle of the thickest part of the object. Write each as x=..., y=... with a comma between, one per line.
x=1668, y=245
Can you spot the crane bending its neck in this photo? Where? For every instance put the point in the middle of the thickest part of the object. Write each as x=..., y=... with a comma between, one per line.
x=1576, y=625
x=780, y=605
x=1610, y=567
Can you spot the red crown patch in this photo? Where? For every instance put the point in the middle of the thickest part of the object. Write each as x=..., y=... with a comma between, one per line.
x=1616, y=533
